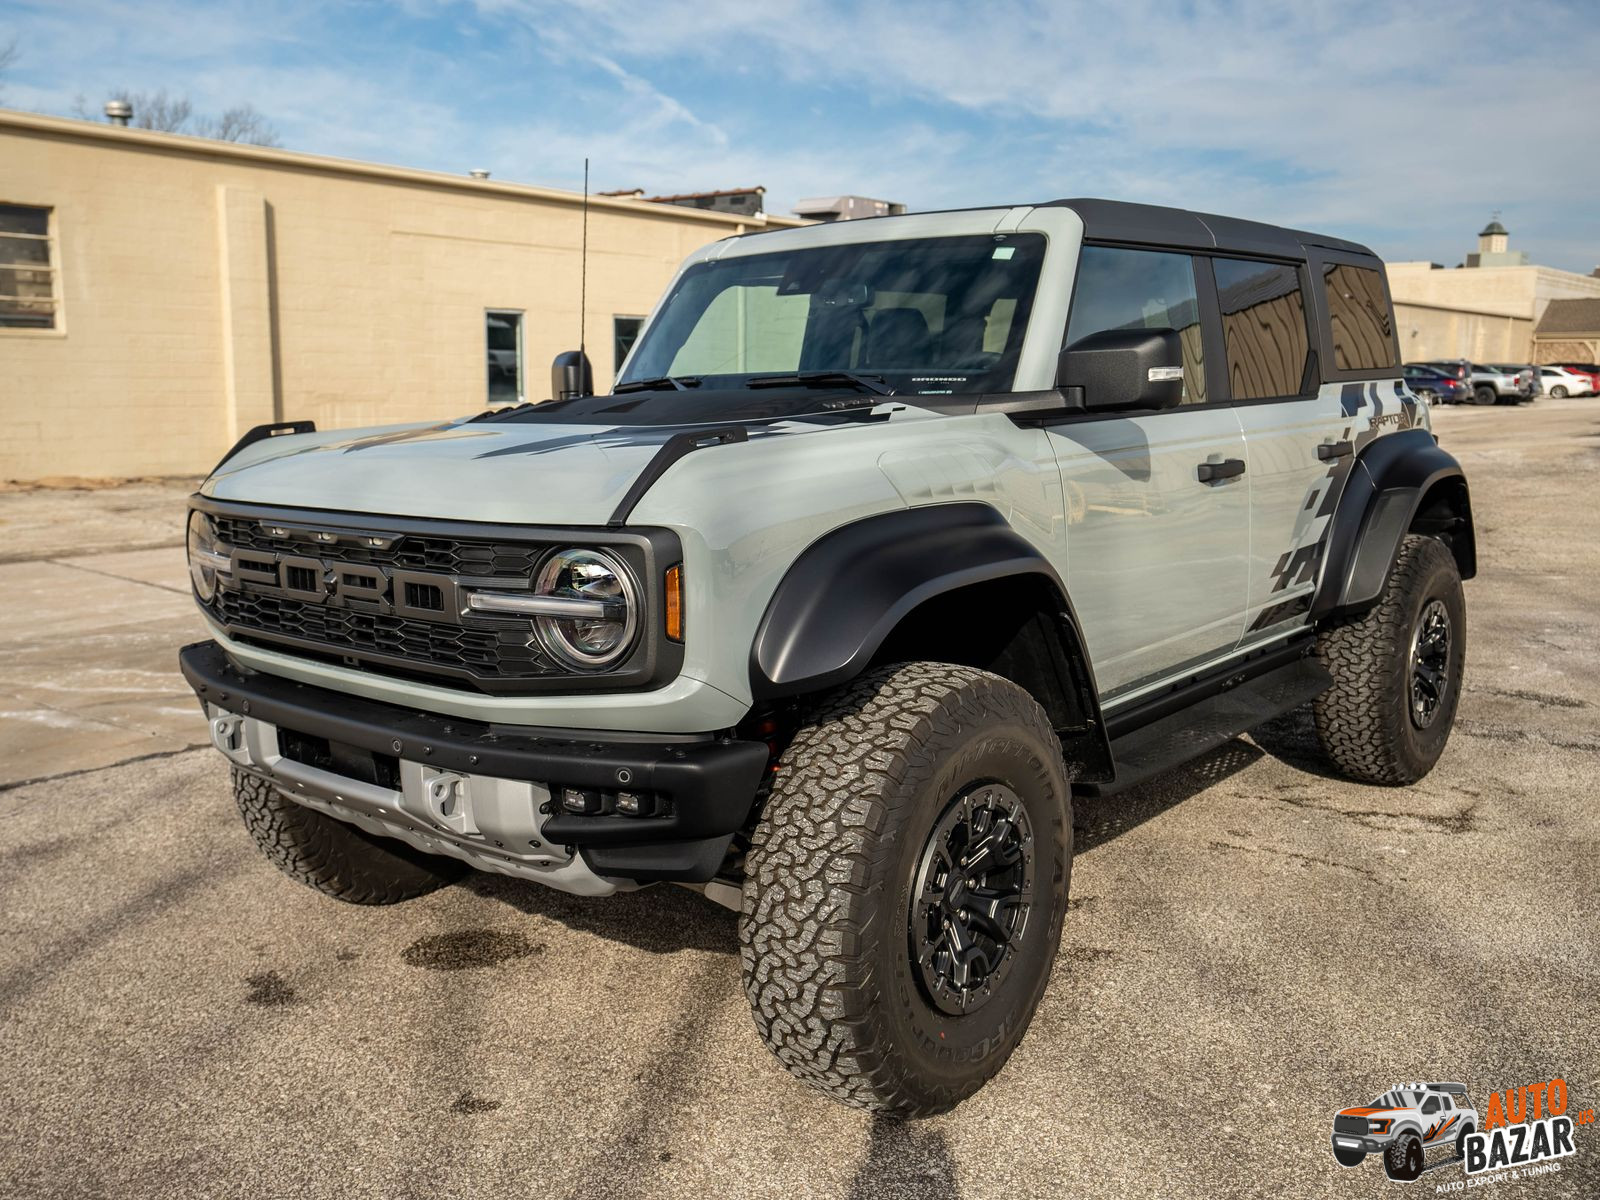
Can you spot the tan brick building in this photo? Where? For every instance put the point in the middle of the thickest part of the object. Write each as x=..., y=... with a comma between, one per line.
x=159, y=295
x=1486, y=310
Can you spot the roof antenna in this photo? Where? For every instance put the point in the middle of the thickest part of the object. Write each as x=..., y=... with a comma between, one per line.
x=583, y=269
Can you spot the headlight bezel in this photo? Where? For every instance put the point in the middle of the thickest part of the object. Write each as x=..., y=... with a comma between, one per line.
x=200, y=543
x=561, y=637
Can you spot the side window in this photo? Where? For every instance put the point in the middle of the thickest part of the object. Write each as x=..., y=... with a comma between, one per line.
x=1141, y=289
x=1358, y=313
x=1264, y=328
x=1431, y=1104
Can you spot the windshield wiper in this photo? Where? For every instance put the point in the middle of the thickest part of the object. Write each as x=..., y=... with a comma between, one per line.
x=662, y=383
x=867, y=383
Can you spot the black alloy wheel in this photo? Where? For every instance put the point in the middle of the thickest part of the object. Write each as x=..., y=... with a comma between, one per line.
x=1430, y=663
x=969, y=905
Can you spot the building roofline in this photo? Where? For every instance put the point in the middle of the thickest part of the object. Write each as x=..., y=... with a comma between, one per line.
x=296, y=160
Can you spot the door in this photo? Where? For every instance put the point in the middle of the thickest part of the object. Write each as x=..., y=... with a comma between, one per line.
x=1298, y=440
x=1156, y=558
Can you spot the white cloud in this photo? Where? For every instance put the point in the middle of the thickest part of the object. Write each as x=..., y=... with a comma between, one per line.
x=1400, y=125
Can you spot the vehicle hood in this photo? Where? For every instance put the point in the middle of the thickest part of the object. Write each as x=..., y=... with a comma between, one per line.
x=1367, y=1112
x=550, y=473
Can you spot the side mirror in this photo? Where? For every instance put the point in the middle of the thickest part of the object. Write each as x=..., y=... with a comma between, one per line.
x=1125, y=368
x=571, y=376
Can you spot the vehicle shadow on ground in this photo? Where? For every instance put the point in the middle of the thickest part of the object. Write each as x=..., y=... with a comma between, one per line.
x=1097, y=820
x=663, y=919
x=905, y=1159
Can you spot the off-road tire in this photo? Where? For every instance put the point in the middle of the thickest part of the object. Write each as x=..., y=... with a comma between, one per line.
x=1461, y=1141
x=824, y=932
x=1403, y=1159
x=1484, y=394
x=1364, y=720
x=336, y=859
x=1347, y=1157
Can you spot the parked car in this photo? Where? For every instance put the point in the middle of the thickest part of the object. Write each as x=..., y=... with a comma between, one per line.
x=1562, y=381
x=1527, y=376
x=1435, y=386
x=1590, y=371
x=1489, y=386
x=802, y=616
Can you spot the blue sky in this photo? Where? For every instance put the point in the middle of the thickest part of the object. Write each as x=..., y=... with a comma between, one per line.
x=1400, y=125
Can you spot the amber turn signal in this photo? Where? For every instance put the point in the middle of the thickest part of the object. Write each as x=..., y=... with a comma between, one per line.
x=675, y=603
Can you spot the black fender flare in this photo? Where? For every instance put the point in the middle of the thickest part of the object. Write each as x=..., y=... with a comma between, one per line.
x=847, y=591
x=1389, y=482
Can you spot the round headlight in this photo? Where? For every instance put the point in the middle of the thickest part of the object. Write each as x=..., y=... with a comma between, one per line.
x=603, y=623
x=203, y=555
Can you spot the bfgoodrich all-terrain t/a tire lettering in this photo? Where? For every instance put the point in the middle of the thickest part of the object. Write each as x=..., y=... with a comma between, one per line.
x=336, y=859
x=826, y=933
x=1365, y=720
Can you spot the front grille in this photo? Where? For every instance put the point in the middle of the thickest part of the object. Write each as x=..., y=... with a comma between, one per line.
x=311, y=584
x=493, y=651
x=1351, y=1125
x=412, y=552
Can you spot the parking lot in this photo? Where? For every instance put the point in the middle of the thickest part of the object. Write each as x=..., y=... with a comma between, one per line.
x=1252, y=945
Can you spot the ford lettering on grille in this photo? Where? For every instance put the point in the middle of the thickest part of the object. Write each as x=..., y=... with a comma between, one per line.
x=366, y=587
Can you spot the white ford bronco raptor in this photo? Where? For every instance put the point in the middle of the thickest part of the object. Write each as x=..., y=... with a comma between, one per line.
x=893, y=535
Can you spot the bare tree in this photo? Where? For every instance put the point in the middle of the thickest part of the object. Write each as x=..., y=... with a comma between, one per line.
x=241, y=123
x=175, y=114
x=9, y=53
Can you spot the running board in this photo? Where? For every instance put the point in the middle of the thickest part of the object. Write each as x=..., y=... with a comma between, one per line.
x=1209, y=723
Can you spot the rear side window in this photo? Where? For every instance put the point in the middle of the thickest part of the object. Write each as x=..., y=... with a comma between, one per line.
x=1358, y=312
x=1141, y=289
x=1264, y=328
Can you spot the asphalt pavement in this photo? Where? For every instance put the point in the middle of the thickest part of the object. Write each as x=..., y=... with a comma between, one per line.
x=1253, y=943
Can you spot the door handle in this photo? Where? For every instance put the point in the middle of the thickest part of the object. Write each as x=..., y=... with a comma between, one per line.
x=1216, y=472
x=1329, y=451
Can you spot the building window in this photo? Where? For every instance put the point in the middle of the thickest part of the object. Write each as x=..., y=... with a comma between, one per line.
x=1358, y=314
x=1141, y=289
x=504, y=345
x=624, y=332
x=27, y=270
x=1264, y=327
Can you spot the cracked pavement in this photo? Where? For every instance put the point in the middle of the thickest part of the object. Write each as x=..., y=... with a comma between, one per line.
x=1252, y=943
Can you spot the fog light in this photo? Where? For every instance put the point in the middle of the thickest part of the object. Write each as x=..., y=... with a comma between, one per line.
x=580, y=801
x=635, y=804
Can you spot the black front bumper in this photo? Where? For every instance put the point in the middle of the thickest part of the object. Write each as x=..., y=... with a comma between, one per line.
x=708, y=785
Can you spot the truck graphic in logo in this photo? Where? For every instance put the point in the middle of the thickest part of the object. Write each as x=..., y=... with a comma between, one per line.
x=1409, y=1125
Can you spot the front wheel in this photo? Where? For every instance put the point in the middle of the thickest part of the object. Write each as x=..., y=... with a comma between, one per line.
x=1396, y=670
x=1558, y=392
x=1403, y=1160
x=905, y=887
x=333, y=858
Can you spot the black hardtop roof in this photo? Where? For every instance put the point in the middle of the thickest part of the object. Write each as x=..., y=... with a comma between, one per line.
x=1124, y=221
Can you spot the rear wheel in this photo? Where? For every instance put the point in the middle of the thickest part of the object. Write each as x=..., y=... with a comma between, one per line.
x=336, y=859
x=905, y=887
x=1484, y=394
x=1396, y=670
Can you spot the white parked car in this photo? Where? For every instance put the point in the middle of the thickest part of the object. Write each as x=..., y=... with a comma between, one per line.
x=1559, y=382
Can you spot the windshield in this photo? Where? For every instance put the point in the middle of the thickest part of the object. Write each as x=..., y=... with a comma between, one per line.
x=935, y=315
